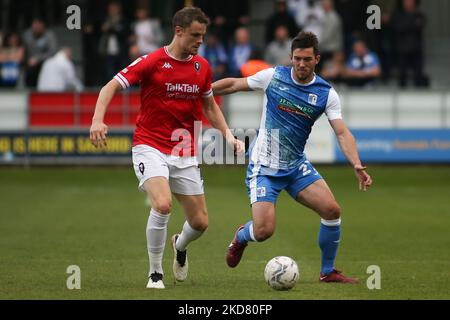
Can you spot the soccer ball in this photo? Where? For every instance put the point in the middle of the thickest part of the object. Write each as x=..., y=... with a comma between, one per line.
x=281, y=273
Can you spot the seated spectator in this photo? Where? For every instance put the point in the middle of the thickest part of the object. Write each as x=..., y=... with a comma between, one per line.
x=214, y=52
x=254, y=64
x=363, y=66
x=279, y=50
x=147, y=31
x=11, y=57
x=58, y=73
x=40, y=44
x=240, y=51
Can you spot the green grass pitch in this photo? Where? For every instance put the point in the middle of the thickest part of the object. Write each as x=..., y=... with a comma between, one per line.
x=95, y=218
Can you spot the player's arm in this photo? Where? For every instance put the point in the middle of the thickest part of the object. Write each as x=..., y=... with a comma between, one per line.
x=373, y=72
x=258, y=81
x=215, y=117
x=230, y=85
x=127, y=77
x=349, y=148
x=99, y=129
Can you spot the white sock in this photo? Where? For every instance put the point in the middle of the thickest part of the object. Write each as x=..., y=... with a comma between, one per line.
x=156, y=239
x=187, y=235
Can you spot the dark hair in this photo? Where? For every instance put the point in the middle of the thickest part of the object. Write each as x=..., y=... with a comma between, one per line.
x=400, y=7
x=39, y=19
x=184, y=17
x=8, y=37
x=305, y=40
x=115, y=3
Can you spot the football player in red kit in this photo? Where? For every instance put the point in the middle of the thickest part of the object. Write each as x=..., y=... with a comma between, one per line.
x=175, y=87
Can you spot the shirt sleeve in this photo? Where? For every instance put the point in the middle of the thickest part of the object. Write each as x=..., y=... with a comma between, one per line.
x=333, y=108
x=207, y=89
x=133, y=73
x=261, y=79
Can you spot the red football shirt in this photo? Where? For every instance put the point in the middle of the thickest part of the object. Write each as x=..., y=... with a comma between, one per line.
x=171, y=94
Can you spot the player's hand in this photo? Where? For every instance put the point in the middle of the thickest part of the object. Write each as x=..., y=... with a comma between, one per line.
x=98, y=133
x=365, y=181
x=237, y=145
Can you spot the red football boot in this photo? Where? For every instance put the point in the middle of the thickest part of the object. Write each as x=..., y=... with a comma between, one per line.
x=235, y=250
x=337, y=276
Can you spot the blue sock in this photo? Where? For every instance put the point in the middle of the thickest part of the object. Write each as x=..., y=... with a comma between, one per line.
x=328, y=242
x=246, y=234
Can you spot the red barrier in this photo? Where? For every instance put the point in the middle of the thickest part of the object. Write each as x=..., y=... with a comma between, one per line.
x=51, y=109
x=76, y=110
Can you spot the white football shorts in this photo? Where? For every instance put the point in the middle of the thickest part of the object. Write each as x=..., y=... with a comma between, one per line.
x=183, y=173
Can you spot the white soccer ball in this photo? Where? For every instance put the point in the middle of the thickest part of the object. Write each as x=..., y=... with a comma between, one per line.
x=281, y=273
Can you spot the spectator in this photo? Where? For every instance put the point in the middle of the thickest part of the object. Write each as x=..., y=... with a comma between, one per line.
x=333, y=69
x=240, y=51
x=11, y=57
x=134, y=53
x=114, y=40
x=278, y=51
x=254, y=64
x=280, y=17
x=332, y=36
x=226, y=16
x=382, y=40
x=408, y=26
x=40, y=44
x=58, y=73
x=363, y=66
x=353, y=15
x=92, y=62
x=214, y=52
x=148, y=32
x=308, y=15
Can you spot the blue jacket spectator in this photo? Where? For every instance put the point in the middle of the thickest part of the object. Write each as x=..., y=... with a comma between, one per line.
x=11, y=56
x=240, y=51
x=363, y=66
x=214, y=52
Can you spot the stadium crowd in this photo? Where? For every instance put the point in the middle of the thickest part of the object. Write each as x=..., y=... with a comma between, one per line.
x=350, y=53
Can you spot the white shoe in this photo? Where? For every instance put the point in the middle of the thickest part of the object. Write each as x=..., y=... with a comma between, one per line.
x=155, y=281
x=180, y=261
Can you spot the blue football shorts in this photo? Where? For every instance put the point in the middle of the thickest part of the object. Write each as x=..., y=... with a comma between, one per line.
x=265, y=184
